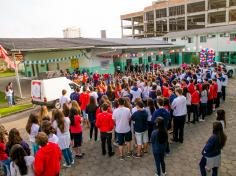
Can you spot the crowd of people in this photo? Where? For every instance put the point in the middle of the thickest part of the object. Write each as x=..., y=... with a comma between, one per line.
x=131, y=109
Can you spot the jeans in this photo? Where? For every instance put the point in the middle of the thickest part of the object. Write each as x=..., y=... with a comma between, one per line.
x=178, y=133
x=9, y=100
x=223, y=92
x=218, y=99
x=159, y=160
x=189, y=112
x=195, y=112
x=106, y=138
x=67, y=156
x=202, y=166
x=210, y=107
x=203, y=110
x=93, y=127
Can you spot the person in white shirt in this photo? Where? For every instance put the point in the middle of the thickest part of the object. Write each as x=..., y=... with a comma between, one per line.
x=224, y=84
x=64, y=99
x=21, y=163
x=93, y=93
x=219, y=93
x=179, y=107
x=136, y=92
x=9, y=95
x=49, y=130
x=122, y=117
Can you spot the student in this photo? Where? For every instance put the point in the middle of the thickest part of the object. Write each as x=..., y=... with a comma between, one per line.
x=159, y=142
x=43, y=113
x=15, y=138
x=195, y=104
x=224, y=83
x=3, y=155
x=91, y=109
x=21, y=164
x=140, y=127
x=47, y=159
x=150, y=108
x=210, y=98
x=50, y=131
x=211, y=154
x=64, y=99
x=188, y=102
x=179, y=107
x=62, y=125
x=105, y=124
x=32, y=128
x=203, y=99
x=221, y=117
x=219, y=89
x=84, y=101
x=122, y=117
x=76, y=131
x=9, y=93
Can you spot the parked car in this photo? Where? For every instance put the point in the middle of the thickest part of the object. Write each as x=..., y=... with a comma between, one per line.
x=229, y=69
x=48, y=91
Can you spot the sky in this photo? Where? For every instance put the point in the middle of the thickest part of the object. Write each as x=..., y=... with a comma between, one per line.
x=47, y=18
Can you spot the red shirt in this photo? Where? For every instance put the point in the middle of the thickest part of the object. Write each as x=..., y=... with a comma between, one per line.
x=96, y=77
x=191, y=88
x=215, y=90
x=210, y=93
x=106, y=76
x=165, y=92
x=76, y=128
x=3, y=154
x=200, y=87
x=195, y=97
x=47, y=160
x=84, y=100
x=98, y=111
x=105, y=122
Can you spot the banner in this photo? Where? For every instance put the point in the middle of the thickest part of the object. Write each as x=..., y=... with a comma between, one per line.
x=3, y=54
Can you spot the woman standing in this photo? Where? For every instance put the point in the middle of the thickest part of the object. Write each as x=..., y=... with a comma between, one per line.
x=9, y=95
x=211, y=154
x=62, y=125
x=91, y=111
x=159, y=140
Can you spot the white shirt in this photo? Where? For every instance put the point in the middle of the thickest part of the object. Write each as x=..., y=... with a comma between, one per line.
x=53, y=138
x=64, y=99
x=145, y=92
x=225, y=82
x=136, y=94
x=14, y=169
x=94, y=94
x=179, y=106
x=219, y=83
x=33, y=132
x=122, y=117
x=188, y=99
x=9, y=93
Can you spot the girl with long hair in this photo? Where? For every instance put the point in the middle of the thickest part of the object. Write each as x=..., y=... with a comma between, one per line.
x=43, y=113
x=50, y=131
x=159, y=141
x=15, y=138
x=211, y=153
x=76, y=131
x=21, y=163
x=221, y=117
x=62, y=126
x=32, y=128
x=91, y=111
x=3, y=155
x=9, y=95
x=74, y=104
x=150, y=108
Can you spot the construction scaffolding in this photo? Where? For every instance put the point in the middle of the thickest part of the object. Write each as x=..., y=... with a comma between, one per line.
x=166, y=16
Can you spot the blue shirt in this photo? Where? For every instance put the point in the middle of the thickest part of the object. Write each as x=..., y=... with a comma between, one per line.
x=140, y=121
x=157, y=147
x=162, y=112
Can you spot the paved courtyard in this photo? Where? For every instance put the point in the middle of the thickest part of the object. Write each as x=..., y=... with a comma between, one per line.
x=183, y=160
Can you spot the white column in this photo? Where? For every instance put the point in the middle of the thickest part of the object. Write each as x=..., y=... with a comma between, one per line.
x=185, y=17
x=155, y=23
x=206, y=13
x=227, y=12
x=168, y=19
x=132, y=21
x=122, y=30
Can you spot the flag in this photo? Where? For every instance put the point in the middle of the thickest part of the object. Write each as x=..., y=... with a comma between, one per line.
x=3, y=54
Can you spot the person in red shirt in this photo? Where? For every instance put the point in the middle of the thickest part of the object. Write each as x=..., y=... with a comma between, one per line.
x=3, y=155
x=195, y=104
x=96, y=77
x=215, y=90
x=165, y=90
x=84, y=101
x=47, y=159
x=191, y=87
x=210, y=98
x=105, y=124
x=76, y=131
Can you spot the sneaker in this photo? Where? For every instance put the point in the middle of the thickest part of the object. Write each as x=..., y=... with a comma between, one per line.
x=136, y=155
x=111, y=154
x=129, y=154
x=121, y=158
x=202, y=120
x=67, y=166
x=73, y=162
x=156, y=174
x=115, y=144
x=164, y=174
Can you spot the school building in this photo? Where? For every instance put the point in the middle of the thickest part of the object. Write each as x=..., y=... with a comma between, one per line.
x=37, y=55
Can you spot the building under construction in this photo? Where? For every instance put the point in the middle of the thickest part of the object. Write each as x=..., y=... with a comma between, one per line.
x=166, y=16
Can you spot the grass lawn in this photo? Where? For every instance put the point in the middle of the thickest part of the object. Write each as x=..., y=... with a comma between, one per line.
x=7, y=74
x=2, y=98
x=9, y=110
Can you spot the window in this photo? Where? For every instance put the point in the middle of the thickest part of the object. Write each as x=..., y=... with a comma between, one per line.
x=165, y=39
x=224, y=35
x=149, y=59
x=190, y=40
x=203, y=39
x=211, y=36
x=233, y=37
x=157, y=57
x=183, y=38
x=173, y=40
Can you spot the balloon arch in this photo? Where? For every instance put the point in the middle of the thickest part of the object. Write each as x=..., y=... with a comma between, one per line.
x=207, y=56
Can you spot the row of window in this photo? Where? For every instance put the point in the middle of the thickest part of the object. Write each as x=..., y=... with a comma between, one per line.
x=203, y=39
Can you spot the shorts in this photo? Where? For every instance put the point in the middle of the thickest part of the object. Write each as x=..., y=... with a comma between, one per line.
x=77, y=137
x=124, y=137
x=141, y=138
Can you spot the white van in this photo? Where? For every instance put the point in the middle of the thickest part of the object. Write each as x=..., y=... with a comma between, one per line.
x=48, y=91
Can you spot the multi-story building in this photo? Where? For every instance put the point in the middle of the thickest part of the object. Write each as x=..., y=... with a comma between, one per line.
x=72, y=32
x=196, y=24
